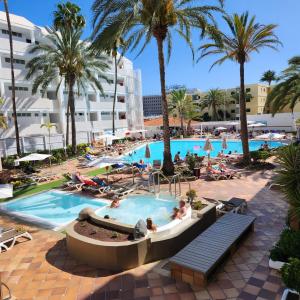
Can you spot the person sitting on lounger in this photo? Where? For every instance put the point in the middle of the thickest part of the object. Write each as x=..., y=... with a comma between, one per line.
x=176, y=214
x=115, y=203
x=182, y=208
x=101, y=181
x=150, y=225
x=211, y=169
x=177, y=158
x=221, y=154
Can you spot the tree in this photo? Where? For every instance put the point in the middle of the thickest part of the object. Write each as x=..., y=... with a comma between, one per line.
x=142, y=20
x=191, y=112
x=268, y=77
x=111, y=44
x=65, y=56
x=245, y=37
x=13, y=86
x=49, y=126
x=177, y=105
x=212, y=100
x=287, y=92
x=67, y=18
x=288, y=178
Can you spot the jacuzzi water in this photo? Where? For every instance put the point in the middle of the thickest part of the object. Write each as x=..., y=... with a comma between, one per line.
x=53, y=207
x=194, y=146
x=136, y=207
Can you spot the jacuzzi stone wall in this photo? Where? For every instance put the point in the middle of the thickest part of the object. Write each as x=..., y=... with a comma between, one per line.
x=130, y=254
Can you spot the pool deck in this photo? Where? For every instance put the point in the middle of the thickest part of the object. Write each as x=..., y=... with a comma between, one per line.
x=41, y=269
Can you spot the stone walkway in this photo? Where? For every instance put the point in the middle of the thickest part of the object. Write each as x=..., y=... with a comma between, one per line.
x=42, y=269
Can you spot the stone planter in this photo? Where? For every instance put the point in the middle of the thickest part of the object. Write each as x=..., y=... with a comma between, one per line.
x=276, y=265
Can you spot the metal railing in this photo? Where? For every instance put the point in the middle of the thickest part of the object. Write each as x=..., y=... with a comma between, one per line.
x=154, y=183
x=3, y=285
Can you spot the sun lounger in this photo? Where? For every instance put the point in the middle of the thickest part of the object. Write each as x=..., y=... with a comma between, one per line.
x=10, y=237
x=216, y=176
x=157, y=164
x=74, y=183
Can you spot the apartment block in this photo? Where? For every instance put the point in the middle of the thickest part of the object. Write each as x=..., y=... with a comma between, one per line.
x=93, y=110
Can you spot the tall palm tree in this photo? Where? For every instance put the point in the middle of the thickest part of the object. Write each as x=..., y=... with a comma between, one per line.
x=191, y=112
x=212, y=100
x=142, y=20
x=13, y=90
x=245, y=37
x=287, y=92
x=111, y=45
x=67, y=18
x=65, y=56
x=49, y=126
x=268, y=77
x=177, y=102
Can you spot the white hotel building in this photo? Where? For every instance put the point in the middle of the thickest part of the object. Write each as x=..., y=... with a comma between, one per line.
x=93, y=110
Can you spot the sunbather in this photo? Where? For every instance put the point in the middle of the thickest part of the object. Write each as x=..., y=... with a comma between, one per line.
x=210, y=169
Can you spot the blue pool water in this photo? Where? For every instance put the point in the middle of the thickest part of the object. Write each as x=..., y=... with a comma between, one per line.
x=54, y=207
x=137, y=207
x=194, y=146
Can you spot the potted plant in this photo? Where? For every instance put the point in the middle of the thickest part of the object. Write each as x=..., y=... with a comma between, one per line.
x=191, y=194
x=290, y=273
x=287, y=246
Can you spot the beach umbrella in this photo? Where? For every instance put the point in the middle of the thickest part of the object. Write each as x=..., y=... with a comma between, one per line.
x=147, y=152
x=271, y=136
x=221, y=128
x=34, y=157
x=224, y=143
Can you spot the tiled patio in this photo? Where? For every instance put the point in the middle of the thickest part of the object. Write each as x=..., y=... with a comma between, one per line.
x=42, y=268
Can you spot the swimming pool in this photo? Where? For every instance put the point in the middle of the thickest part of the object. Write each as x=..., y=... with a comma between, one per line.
x=53, y=208
x=136, y=207
x=194, y=146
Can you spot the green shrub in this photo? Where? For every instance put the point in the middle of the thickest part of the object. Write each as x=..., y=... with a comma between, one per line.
x=191, y=194
x=191, y=162
x=287, y=246
x=197, y=205
x=290, y=273
x=260, y=155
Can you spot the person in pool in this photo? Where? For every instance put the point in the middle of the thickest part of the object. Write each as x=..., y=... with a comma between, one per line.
x=115, y=203
x=150, y=225
x=176, y=214
x=182, y=208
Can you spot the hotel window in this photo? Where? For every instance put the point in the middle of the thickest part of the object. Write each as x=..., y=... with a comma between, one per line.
x=18, y=34
x=248, y=110
x=37, y=42
x=248, y=90
x=81, y=114
x=16, y=61
x=233, y=111
x=36, y=114
x=28, y=41
x=44, y=115
x=19, y=88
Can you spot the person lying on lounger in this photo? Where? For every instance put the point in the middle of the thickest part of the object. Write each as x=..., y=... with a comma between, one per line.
x=101, y=181
x=211, y=169
x=224, y=168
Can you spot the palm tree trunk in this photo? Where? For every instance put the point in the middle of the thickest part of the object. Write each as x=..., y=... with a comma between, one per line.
x=49, y=140
x=72, y=112
x=13, y=91
x=115, y=95
x=214, y=112
x=168, y=166
x=68, y=123
x=243, y=115
x=181, y=124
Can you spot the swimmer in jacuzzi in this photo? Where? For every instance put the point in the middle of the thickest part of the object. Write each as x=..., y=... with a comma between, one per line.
x=176, y=214
x=150, y=225
x=182, y=208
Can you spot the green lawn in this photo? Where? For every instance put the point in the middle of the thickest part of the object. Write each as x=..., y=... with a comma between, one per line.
x=30, y=190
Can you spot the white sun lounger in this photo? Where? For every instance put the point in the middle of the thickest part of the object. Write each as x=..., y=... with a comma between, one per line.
x=9, y=238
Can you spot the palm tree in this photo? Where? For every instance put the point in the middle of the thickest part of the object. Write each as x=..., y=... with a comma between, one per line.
x=191, y=112
x=287, y=92
x=177, y=104
x=13, y=90
x=288, y=177
x=67, y=18
x=245, y=37
x=212, y=100
x=48, y=125
x=65, y=56
x=142, y=20
x=268, y=77
x=111, y=45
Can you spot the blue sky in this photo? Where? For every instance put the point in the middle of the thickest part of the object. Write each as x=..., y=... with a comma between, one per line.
x=181, y=69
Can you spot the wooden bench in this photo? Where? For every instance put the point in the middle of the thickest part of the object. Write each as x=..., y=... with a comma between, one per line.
x=196, y=261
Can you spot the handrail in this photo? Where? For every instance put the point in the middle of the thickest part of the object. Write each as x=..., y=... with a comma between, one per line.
x=2, y=284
